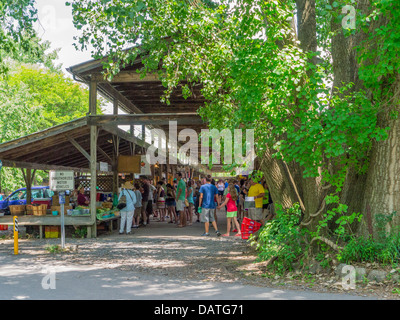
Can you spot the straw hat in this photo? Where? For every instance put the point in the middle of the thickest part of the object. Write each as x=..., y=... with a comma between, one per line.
x=127, y=185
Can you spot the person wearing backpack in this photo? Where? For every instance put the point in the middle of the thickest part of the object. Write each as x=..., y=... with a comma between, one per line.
x=128, y=197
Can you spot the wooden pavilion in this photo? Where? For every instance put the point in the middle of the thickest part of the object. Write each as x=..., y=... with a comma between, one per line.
x=80, y=145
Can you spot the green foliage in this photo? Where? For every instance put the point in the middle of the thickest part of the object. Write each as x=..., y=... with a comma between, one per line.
x=254, y=75
x=20, y=115
x=363, y=249
x=54, y=249
x=383, y=248
x=33, y=98
x=61, y=98
x=18, y=38
x=281, y=238
x=380, y=66
x=80, y=232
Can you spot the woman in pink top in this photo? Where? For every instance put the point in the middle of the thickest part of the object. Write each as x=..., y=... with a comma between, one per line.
x=231, y=210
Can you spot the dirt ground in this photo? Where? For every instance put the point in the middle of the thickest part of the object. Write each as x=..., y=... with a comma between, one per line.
x=161, y=248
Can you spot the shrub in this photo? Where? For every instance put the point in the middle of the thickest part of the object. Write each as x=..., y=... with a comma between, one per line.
x=281, y=239
x=367, y=249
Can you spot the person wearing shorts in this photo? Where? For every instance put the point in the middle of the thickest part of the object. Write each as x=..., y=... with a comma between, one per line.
x=208, y=192
x=257, y=192
x=231, y=210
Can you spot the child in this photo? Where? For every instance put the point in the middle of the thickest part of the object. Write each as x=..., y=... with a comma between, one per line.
x=231, y=211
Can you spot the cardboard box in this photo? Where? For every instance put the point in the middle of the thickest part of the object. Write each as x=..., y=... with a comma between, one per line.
x=56, y=202
x=58, y=208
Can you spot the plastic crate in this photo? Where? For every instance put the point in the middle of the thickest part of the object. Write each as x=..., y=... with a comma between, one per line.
x=249, y=222
x=52, y=231
x=249, y=227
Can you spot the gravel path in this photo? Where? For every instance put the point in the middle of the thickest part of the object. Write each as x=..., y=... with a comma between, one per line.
x=163, y=250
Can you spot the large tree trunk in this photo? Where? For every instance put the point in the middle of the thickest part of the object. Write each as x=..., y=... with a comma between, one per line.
x=374, y=192
x=382, y=194
x=278, y=181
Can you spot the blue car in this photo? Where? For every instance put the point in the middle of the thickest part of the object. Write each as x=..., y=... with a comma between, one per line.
x=18, y=197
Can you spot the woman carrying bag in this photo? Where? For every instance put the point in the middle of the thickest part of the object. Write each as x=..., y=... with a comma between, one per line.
x=128, y=209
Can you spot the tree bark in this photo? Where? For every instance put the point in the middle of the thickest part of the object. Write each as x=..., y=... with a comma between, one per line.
x=382, y=193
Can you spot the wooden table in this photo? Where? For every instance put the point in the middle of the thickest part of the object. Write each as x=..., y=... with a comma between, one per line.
x=49, y=220
x=111, y=219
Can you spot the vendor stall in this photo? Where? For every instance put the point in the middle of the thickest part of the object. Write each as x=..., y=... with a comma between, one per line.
x=95, y=143
x=52, y=149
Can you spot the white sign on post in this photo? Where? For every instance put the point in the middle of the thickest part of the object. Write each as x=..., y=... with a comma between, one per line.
x=61, y=180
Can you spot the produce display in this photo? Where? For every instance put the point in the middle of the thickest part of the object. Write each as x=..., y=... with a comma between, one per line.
x=105, y=213
x=79, y=211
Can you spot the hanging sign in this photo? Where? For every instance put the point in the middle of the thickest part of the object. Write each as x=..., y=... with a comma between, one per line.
x=61, y=180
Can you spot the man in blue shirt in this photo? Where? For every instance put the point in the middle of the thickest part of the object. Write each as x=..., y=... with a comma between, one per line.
x=127, y=212
x=208, y=193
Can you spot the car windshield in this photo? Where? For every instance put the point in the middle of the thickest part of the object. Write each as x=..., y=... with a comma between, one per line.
x=48, y=193
x=37, y=193
x=19, y=195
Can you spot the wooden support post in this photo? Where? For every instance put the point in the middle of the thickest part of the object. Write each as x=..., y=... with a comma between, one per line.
x=92, y=231
x=152, y=171
x=115, y=164
x=143, y=138
x=168, y=169
x=115, y=154
x=115, y=106
x=173, y=172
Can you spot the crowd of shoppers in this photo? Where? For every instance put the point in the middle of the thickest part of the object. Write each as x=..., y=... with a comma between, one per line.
x=184, y=202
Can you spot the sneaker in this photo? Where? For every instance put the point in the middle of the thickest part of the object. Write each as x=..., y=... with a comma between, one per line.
x=205, y=234
x=218, y=233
